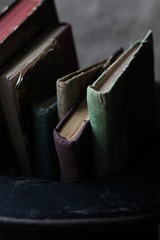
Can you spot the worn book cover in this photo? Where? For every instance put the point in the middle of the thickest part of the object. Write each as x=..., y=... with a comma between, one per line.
x=74, y=151
x=121, y=107
x=71, y=87
x=64, y=34
x=6, y=6
x=33, y=74
x=19, y=26
x=22, y=23
x=72, y=134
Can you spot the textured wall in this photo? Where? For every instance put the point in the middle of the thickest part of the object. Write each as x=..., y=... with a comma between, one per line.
x=101, y=26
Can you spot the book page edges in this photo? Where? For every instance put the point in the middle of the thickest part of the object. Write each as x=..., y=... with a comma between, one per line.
x=69, y=89
x=102, y=84
x=145, y=40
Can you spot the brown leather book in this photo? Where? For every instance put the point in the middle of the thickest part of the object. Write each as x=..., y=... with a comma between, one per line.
x=31, y=76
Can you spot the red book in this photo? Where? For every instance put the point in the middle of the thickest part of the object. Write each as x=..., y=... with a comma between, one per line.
x=22, y=22
x=6, y=5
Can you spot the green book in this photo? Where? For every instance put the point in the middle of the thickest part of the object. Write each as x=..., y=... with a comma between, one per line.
x=121, y=107
x=45, y=119
x=70, y=87
x=72, y=134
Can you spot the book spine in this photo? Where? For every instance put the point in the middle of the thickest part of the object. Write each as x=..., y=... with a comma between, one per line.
x=74, y=156
x=67, y=161
x=70, y=90
x=108, y=133
x=46, y=160
x=100, y=125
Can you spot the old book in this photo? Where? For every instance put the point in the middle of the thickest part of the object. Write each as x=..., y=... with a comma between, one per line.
x=66, y=41
x=6, y=5
x=45, y=118
x=74, y=154
x=74, y=151
x=32, y=75
x=70, y=87
x=21, y=23
x=19, y=26
x=119, y=108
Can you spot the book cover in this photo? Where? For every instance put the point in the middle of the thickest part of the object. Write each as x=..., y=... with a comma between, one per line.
x=6, y=5
x=19, y=25
x=33, y=74
x=70, y=87
x=64, y=35
x=74, y=152
x=72, y=134
x=22, y=23
x=45, y=118
x=121, y=107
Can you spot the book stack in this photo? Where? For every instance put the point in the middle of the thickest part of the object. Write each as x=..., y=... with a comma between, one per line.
x=64, y=123
x=35, y=49
x=102, y=129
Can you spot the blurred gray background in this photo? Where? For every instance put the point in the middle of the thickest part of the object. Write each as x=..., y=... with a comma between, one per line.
x=102, y=26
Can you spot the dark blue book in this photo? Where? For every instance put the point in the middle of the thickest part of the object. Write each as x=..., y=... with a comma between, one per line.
x=45, y=118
